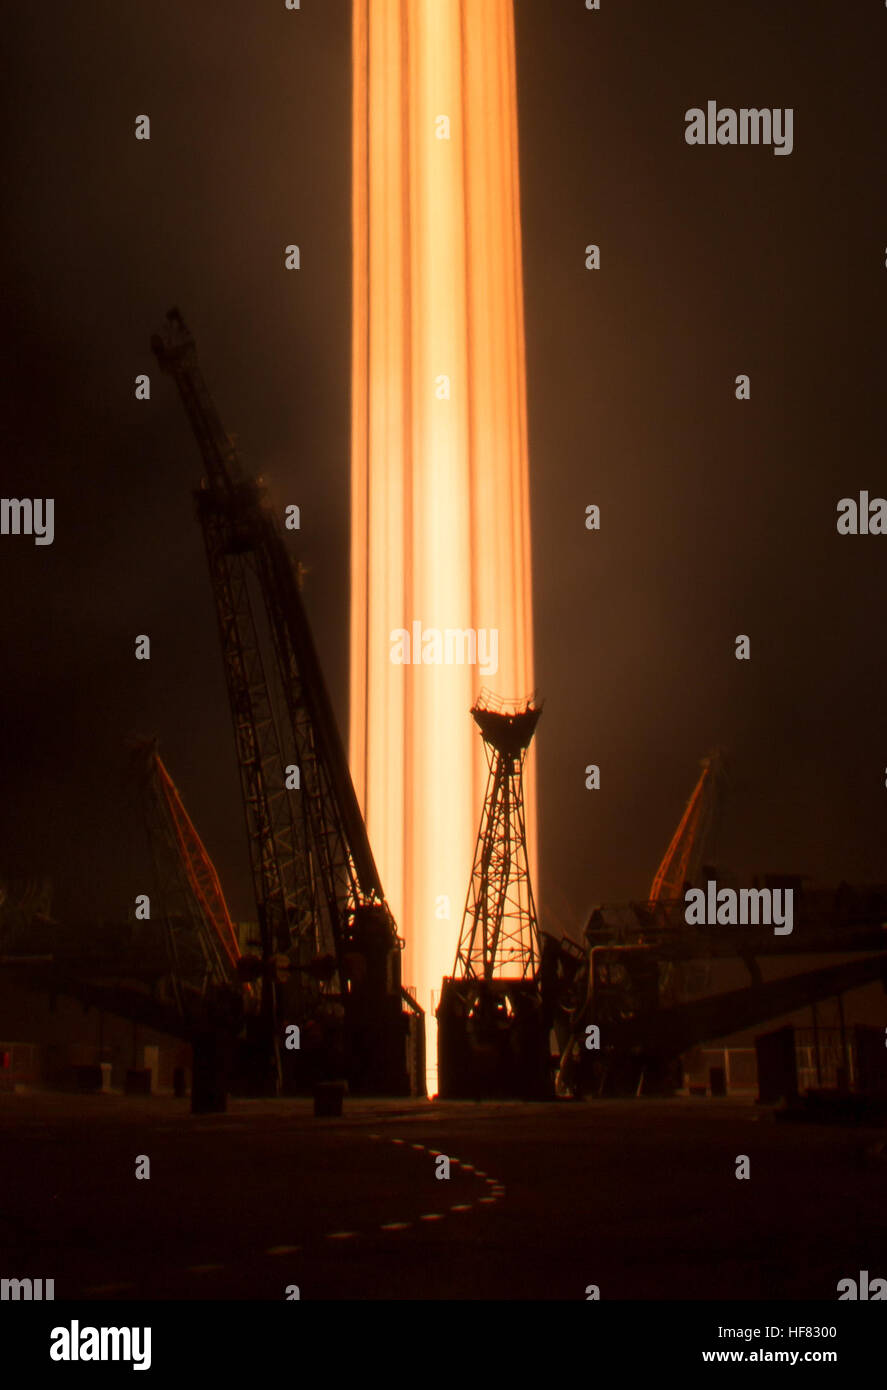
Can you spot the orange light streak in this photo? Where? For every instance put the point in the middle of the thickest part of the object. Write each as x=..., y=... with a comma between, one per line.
x=440, y=490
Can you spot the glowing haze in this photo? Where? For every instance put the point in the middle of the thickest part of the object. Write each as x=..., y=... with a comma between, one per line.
x=440, y=497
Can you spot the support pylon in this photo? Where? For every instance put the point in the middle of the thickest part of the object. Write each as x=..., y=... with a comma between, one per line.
x=500, y=932
x=492, y=1037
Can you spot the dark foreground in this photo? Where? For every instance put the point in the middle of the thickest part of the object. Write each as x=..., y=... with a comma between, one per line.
x=637, y=1197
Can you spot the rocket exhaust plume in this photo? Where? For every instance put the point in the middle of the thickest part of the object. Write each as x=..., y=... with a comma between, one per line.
x=440, y=549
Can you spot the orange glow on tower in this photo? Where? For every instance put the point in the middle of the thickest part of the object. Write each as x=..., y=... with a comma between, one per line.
x=440, y=492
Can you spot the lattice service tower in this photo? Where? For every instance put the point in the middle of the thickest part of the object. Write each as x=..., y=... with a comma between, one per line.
x=492, y=1036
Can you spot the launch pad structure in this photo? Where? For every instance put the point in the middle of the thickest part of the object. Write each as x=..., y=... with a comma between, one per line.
x=635, y=995
x=492, y=1029
x=330, y=954
x=523, y=1014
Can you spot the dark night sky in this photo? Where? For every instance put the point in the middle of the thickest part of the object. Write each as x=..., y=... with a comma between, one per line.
x=718, y=517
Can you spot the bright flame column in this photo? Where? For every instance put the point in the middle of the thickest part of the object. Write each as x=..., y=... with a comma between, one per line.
x=440, y=501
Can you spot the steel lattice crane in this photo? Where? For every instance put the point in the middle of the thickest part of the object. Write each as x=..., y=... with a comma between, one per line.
x=318, y=895
x=683, y=858
x=202, y=939
x=611, y=984
x=206, y=977
x=493, y=1036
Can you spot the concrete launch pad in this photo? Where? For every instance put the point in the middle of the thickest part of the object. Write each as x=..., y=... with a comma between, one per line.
x=543, y=1200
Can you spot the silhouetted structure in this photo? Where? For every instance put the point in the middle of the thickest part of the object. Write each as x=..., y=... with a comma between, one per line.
x=493, y=1037
x=330, y=953
x=683, y=858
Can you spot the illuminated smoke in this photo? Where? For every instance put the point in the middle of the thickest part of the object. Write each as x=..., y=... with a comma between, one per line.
x=440, y=503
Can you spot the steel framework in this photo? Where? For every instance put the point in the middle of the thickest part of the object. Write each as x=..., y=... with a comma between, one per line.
x=493, y=1023
x=500, y=932
x=201, y=938
x=683, y=858
x=318, y=894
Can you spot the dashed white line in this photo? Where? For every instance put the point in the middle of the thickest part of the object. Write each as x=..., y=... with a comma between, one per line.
x=496, y=1190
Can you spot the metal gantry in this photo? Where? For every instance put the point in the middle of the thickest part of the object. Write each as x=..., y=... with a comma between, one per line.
x=318, y=894
x=493, y=1022
x=500, y=932
x=695, y=831
x=201, y=938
